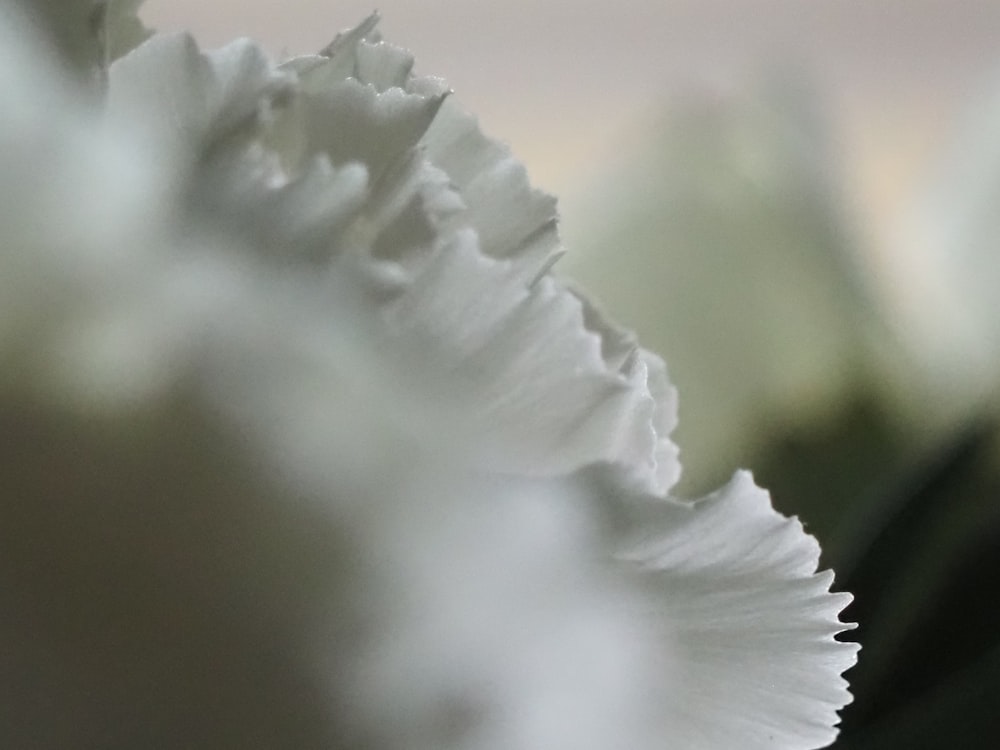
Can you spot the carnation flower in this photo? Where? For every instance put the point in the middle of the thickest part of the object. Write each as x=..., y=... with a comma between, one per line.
x=307, y=447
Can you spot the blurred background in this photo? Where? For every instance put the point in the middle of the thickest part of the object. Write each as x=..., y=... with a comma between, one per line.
x=797, y=204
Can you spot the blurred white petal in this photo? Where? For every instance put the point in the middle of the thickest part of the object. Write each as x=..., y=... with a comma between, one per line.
x=193, y=99
x=945, y=248
x=519, y=638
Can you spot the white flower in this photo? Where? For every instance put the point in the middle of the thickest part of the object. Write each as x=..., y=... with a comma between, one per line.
x=307, y=448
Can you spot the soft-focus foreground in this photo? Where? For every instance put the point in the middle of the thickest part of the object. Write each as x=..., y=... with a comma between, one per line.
x=304, y=447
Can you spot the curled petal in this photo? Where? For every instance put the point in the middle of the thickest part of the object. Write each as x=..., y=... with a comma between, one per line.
x=351, y=121
x=647, y=371
x=753, y=622
x=513, y=219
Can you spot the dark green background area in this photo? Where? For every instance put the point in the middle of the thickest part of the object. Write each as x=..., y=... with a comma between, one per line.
x=914, y=534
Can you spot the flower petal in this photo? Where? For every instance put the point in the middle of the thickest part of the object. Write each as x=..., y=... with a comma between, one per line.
x=196, y=99
x=753, y=622
x=528, y=371
x=458, y=245
x=512, y=218
x=351, y=121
